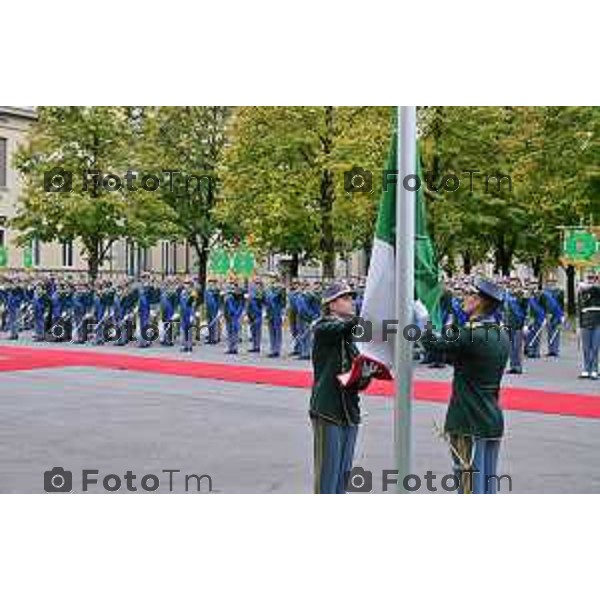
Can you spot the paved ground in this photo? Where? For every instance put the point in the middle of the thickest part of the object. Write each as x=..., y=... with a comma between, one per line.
x=248, y=438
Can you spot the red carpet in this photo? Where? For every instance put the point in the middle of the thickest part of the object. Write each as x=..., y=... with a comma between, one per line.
x=523, y=399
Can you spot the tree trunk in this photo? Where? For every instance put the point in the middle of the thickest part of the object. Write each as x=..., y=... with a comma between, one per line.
x=294, y=265
x=466, y=255
x=536, y=265
x=94, y=259
x=503, y=258
x=93, y=266
x=202, y=252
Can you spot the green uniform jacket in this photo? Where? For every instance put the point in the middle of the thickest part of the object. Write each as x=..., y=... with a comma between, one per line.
x=333, y=351
x=479, y=357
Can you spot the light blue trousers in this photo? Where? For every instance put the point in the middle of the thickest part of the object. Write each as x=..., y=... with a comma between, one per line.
x=333, y=455
x=481, y=454
x=590, y=344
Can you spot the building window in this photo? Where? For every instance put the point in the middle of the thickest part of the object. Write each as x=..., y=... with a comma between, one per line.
x=67, y=254
x=2, y=242
x=3, y=162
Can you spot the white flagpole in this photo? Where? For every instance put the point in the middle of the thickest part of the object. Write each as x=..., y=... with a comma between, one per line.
x=405, y=285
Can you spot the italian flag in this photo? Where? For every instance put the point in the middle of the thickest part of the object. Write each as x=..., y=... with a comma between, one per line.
x=379, y=301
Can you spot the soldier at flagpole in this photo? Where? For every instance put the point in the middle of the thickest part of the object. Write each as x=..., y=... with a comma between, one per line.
x=334, y=410
x=474, y=420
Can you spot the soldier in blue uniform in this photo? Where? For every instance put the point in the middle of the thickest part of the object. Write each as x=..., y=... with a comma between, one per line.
x=14, y=299
x=233, y=310
x=537, y=316
x=187, y=310
x=99, y=313
x=589, y=323
x=275, y=301
x=41, y=306
x=293, y=317
x=212, y=302
x=124, y=310
x=144, y=306
x=57, y=328
x=254, y=310
x=553, y=301
x=82, y=299
x=515, y=315
x=3, y=301
x=307, y=302
x=360, y=296
x=169, y=300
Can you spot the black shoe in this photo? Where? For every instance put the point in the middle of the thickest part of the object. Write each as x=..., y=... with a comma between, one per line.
x=515, y=371
x=273, y=355
x=231, y=351
x=437, y=365
x=254, y=350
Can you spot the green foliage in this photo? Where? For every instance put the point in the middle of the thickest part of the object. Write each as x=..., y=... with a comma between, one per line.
x=550, y=153
x=275, y=175
x=77, y=140
x=283, y=177
x=188, y=143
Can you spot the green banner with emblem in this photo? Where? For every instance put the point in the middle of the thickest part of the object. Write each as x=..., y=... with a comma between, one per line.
x=581, y=246
x=3, y=256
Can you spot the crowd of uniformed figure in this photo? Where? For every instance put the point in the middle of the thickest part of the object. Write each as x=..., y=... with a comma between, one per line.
x=170, y=311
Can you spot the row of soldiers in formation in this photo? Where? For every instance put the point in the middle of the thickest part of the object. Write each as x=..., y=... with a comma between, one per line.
x=147, y=309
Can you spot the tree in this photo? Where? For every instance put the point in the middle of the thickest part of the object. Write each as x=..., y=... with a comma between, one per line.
x=187, y=143
x=66, y=194
x=283, y=178
x=550, y=154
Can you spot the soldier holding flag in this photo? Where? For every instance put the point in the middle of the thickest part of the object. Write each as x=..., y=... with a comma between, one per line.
x=474, y=420
x=334, y=409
